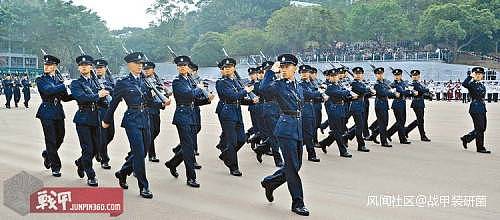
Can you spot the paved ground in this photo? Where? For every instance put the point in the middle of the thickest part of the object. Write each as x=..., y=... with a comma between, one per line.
x=336, y=188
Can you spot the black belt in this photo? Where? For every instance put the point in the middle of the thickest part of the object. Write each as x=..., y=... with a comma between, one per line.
x=309, y=101
x=296, y=114
x=55, y=101
x=91, y=107
x=137, y=107
x=237, y=102
x=338, y=102
x=190, y=105
x=266, y=101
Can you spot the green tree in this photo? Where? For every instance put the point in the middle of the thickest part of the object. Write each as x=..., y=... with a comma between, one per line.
x=245, y=41
x=380, y=21
x=457, y=25
x=208, y=50
x=291, y=27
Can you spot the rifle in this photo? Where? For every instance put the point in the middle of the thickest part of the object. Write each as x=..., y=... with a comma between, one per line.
x=108, y=72
x=263, y=56
x=251, y=95
x=153, y=84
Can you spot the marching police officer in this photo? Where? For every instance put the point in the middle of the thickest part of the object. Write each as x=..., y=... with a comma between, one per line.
x=308, y=116
x=185, y=95
x=254, y=109
x=383, y=93
x=477, y=109
x=399, y=107
x=26, y=90
x=17, y=90
x=231, y=96
x=153, y=109
x=418, y=106
x=290, y=98
x=270, y=113
x=51, y=114
x=133, y=90
x=337, y=111
x=357, y=108
x=317, y=103
x=87, y=95
x=205, y=100
x=8, y=85
x=345, y=82
x=107, y=134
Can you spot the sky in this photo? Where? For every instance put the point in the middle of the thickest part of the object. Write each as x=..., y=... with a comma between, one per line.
x=120, y=13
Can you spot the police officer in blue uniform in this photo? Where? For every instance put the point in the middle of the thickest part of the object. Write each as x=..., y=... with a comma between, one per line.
x=153, y=109
x=418, y=105
x=206, y=99
x=290, y=98
x=366, y=131
x=345, y=82
x=308, y=113
x=231, y=96
x=323, y=144
x=107, y=134
x=8, y=85
x=254, y=132
x=25, y=82
x=133, y=90
x=192, y=75
x=186, y=95
x=357, y=108
x=51, y=113
x=317, y=103
x=338, y=95
x=477, y=109
x=17, y=90
x=383, y=93
x=399, y=107
x=87, y=95
x=270, y=113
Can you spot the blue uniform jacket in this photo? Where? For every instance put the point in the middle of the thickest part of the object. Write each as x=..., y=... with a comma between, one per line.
x=418, y=100
x=135, y=93
x=360, y=88
x=185, y=95
x=7, y=86
x=310, y=94
x=52, y=93
x=401, y=87
x=477, y=91
x=290, y=98
x=26, y=85
x=230, y=95
x=86, y=95
x=383, y=94
x=337, y=94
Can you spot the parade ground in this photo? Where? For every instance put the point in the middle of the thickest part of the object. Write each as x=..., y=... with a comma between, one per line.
x=435, y=177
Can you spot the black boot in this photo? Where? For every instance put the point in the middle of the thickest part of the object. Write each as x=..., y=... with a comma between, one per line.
x=425, y=139
x=269, y=191
x=122, y=179
x=92, y=182
x=173, y=170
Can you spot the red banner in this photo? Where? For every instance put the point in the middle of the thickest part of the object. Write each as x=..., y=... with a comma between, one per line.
x=77, y=200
